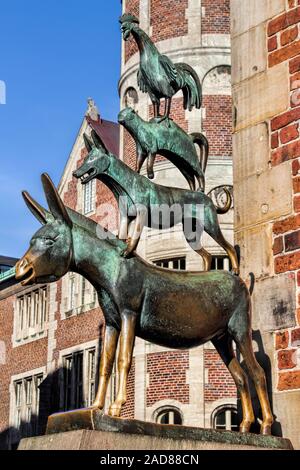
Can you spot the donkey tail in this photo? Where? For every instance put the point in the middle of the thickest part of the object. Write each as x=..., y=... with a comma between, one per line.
x=202, y=142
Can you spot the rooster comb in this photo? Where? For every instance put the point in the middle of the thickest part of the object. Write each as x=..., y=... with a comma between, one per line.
x=128, y=18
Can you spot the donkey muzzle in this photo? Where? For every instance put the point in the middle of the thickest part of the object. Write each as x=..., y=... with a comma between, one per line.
x=25, y=271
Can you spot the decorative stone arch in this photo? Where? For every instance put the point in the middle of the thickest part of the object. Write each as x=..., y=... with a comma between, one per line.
x=217, y=81
x=168, y=408
x=131, y=98
x=228, y=406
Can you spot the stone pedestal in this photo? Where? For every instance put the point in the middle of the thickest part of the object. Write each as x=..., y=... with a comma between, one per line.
x=89, y=429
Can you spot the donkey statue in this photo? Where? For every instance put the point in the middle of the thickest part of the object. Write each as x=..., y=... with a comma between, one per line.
x=146, y=201
x=173, y=309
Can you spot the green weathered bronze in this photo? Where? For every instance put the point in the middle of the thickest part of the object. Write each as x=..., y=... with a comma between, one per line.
x=144, y=199
x=158, y=75
x=170, y=141
x=170, y=308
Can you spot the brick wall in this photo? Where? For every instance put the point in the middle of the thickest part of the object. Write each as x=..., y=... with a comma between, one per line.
x=133, y=7
x=218, y=124
x=216, y=17
x=219, y=381
x=16, y=360
x=168, y=19
x=284, y=46
x=128, y=408
x=167, y=377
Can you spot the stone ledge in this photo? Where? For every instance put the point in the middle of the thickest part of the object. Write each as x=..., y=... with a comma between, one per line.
x=89, y=429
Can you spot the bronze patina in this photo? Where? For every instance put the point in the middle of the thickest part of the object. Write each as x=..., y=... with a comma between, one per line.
x=145, y=200
x=170, y=308
x=158, y=75
x=170, y=141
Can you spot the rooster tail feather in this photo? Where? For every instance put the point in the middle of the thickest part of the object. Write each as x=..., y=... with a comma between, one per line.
x=191, y=86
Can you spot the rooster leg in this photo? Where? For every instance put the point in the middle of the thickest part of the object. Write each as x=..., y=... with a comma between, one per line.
x=156, y=106
x=168, y=102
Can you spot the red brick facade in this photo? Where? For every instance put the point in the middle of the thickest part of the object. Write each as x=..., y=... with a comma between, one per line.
x=216, y=17
x=133, y=7
x=167, y=377
x=219, y=383
x=168, y=19
x=218, y=124
x=284, y=46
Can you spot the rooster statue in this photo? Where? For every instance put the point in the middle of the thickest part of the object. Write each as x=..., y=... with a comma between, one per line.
x=157, y=75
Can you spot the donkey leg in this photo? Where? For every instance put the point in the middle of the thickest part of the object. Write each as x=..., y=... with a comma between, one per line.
x=124, y=360
x=106, y=364
x=224, y=347
x=258, y=376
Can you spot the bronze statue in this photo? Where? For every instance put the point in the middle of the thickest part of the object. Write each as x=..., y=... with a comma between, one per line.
x=157, y=74
x=144, y=199
x=170, y=141
x=169, y=308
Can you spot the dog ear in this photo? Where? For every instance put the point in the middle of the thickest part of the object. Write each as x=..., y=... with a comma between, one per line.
x=99, y=142
x=88, y=143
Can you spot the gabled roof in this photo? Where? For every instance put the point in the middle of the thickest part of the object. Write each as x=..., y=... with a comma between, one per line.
x=8, y=261
x=108, y=131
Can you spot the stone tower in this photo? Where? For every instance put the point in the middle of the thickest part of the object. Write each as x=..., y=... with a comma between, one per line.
x=193, y=383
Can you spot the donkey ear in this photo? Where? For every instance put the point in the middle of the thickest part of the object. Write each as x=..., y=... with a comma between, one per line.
x=98, y=142
x=56, y=206
x=37, y=210
x=88, y=143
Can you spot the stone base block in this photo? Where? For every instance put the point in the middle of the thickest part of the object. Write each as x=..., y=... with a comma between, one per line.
x=89, y=429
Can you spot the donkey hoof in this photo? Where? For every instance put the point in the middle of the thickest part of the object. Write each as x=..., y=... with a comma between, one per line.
x=265, y=429
x=245, y=426
x=151, y=176
x=235, y=271
x=114, y=411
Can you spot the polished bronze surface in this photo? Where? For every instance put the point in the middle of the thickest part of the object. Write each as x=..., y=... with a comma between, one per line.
x=170, y=308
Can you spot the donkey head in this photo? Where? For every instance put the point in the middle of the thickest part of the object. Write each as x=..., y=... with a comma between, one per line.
x=97, y=160
x=51, y=248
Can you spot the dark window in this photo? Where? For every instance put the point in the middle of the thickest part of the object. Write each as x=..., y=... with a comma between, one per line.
x=220, y=263
x=226, y=419
x=172, y=263
x=169, y=416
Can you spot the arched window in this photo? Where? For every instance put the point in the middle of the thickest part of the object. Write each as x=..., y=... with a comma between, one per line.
x=218, y=81
x=131, y=98
x=225, y=418
x=169, y=415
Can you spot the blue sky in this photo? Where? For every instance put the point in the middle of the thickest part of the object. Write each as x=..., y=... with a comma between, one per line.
x=54, y=54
